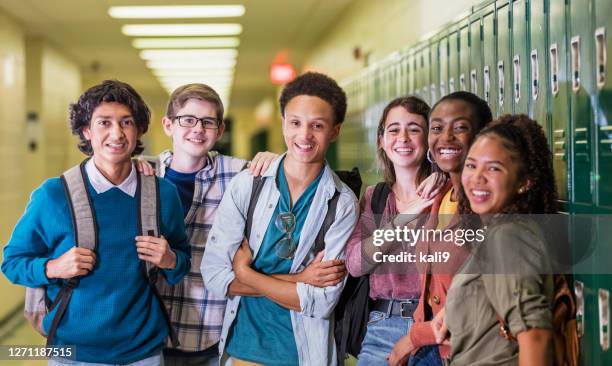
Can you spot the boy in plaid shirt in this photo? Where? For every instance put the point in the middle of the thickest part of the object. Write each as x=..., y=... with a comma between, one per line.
x=194, y=121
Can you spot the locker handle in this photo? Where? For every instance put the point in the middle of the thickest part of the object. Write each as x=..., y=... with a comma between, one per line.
x=579, y=292
x=604, y=319
x=516, y=62
x=534, y=74
x=487, y=84
x=501, y=82
x=432, y=90
x=575, y=52
x=462, y=82
x=451, y=85
x=442, y=88
x=602, y=56
x=474, y=81
x=554, y=69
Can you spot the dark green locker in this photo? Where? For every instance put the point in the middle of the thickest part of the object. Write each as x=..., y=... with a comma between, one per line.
x=503, y=72
x=558, y=84
x=538, y=107
x=520, y=56
x=581, y=84
x=464, y=56
x=434, y=70
x=453, y=60
x=443, y=67
x=603, y=65
x=489, y=50
x=476, y=64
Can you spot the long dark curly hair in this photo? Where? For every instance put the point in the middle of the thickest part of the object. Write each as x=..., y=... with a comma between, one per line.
x=525, y=138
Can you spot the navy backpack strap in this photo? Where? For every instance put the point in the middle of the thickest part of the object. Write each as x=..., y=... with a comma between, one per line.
x=379, y=200
x=255, y=192
x=330, y=217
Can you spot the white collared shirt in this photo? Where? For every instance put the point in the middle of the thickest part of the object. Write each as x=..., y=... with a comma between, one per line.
x=101, y=184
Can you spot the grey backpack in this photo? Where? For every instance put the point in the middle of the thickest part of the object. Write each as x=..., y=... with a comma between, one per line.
x=37, y=304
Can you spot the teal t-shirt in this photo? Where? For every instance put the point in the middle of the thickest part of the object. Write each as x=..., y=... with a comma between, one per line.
x=262, y=331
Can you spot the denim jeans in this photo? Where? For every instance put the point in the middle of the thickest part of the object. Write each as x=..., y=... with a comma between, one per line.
x=426, y=356
x=156, y=360
x=210, y=357
x=382, y=334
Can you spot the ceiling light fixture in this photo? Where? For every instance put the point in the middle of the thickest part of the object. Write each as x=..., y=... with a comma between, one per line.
x=211, y=63
x=219, y=53
x=194, y=42
x=221, y=29
x=178, y=11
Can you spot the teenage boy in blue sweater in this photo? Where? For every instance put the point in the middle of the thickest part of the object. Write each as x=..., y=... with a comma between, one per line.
x=112, y=317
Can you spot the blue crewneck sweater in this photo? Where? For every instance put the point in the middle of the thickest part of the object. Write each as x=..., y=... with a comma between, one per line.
x=112, y=317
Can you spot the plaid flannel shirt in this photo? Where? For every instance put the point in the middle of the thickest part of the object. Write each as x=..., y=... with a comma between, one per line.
x=195, y=313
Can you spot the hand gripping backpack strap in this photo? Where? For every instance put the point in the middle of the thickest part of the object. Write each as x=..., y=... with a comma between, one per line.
x=149, y=218
x=85, y=233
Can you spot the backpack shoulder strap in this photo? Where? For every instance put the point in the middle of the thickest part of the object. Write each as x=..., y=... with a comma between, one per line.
x=329, y=219
x=79, y=201
x=148, y=205
x=379, y=200
x=255, y=192
x=149, y=217
x=85, y=235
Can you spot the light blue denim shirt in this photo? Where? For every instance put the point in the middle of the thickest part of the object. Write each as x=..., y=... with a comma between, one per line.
x=312, y=327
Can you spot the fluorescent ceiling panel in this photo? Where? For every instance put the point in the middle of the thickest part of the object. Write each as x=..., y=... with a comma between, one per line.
x=193, y=42
x=174, y=12
x=222, y=53
x=161, y=30
x=192, y=72
x=211, y=63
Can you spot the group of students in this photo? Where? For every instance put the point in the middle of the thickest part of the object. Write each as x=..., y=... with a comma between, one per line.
x=241, y=282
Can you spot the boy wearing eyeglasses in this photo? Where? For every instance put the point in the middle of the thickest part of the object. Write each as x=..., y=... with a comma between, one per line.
x=194, y=121
x=273, y=317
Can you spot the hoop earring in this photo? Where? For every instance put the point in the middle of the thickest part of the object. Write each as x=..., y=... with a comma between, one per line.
x=429, y=157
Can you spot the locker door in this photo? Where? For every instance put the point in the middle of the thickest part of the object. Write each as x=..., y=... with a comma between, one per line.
x=476, y=64
x=538, y=108
x=453, y=61
x=520, y=56
x=443, y=74
x=427, y=74
x=504, y=59
x=489, y=70
x=411, y=72
x=603, y=66
x=434, y=70
x=464, y=57
x=557, y=76
x=419, y=64
x=404, y=74
x=582, y=87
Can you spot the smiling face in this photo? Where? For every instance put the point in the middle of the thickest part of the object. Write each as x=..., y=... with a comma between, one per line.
x=308, y=129
x=193, y=142
x=113, y=134
x=451, y=131
x=490, y=176
x=404, y=138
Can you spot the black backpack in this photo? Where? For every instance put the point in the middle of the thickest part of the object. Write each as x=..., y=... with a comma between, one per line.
x=352, y=311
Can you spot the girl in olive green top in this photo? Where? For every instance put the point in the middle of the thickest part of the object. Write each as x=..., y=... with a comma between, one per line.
x=508, y=171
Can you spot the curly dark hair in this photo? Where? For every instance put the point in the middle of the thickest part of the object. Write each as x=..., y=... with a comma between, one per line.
x=525, y=138
x=317, y=85
x=414, y=105
x=106, y=92
x=480, y=108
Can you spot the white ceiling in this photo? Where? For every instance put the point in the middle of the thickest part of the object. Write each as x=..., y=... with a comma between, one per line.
x=84, y=31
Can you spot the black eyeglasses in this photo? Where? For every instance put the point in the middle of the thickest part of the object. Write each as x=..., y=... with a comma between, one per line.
x=191, y=121
x=285, y=222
